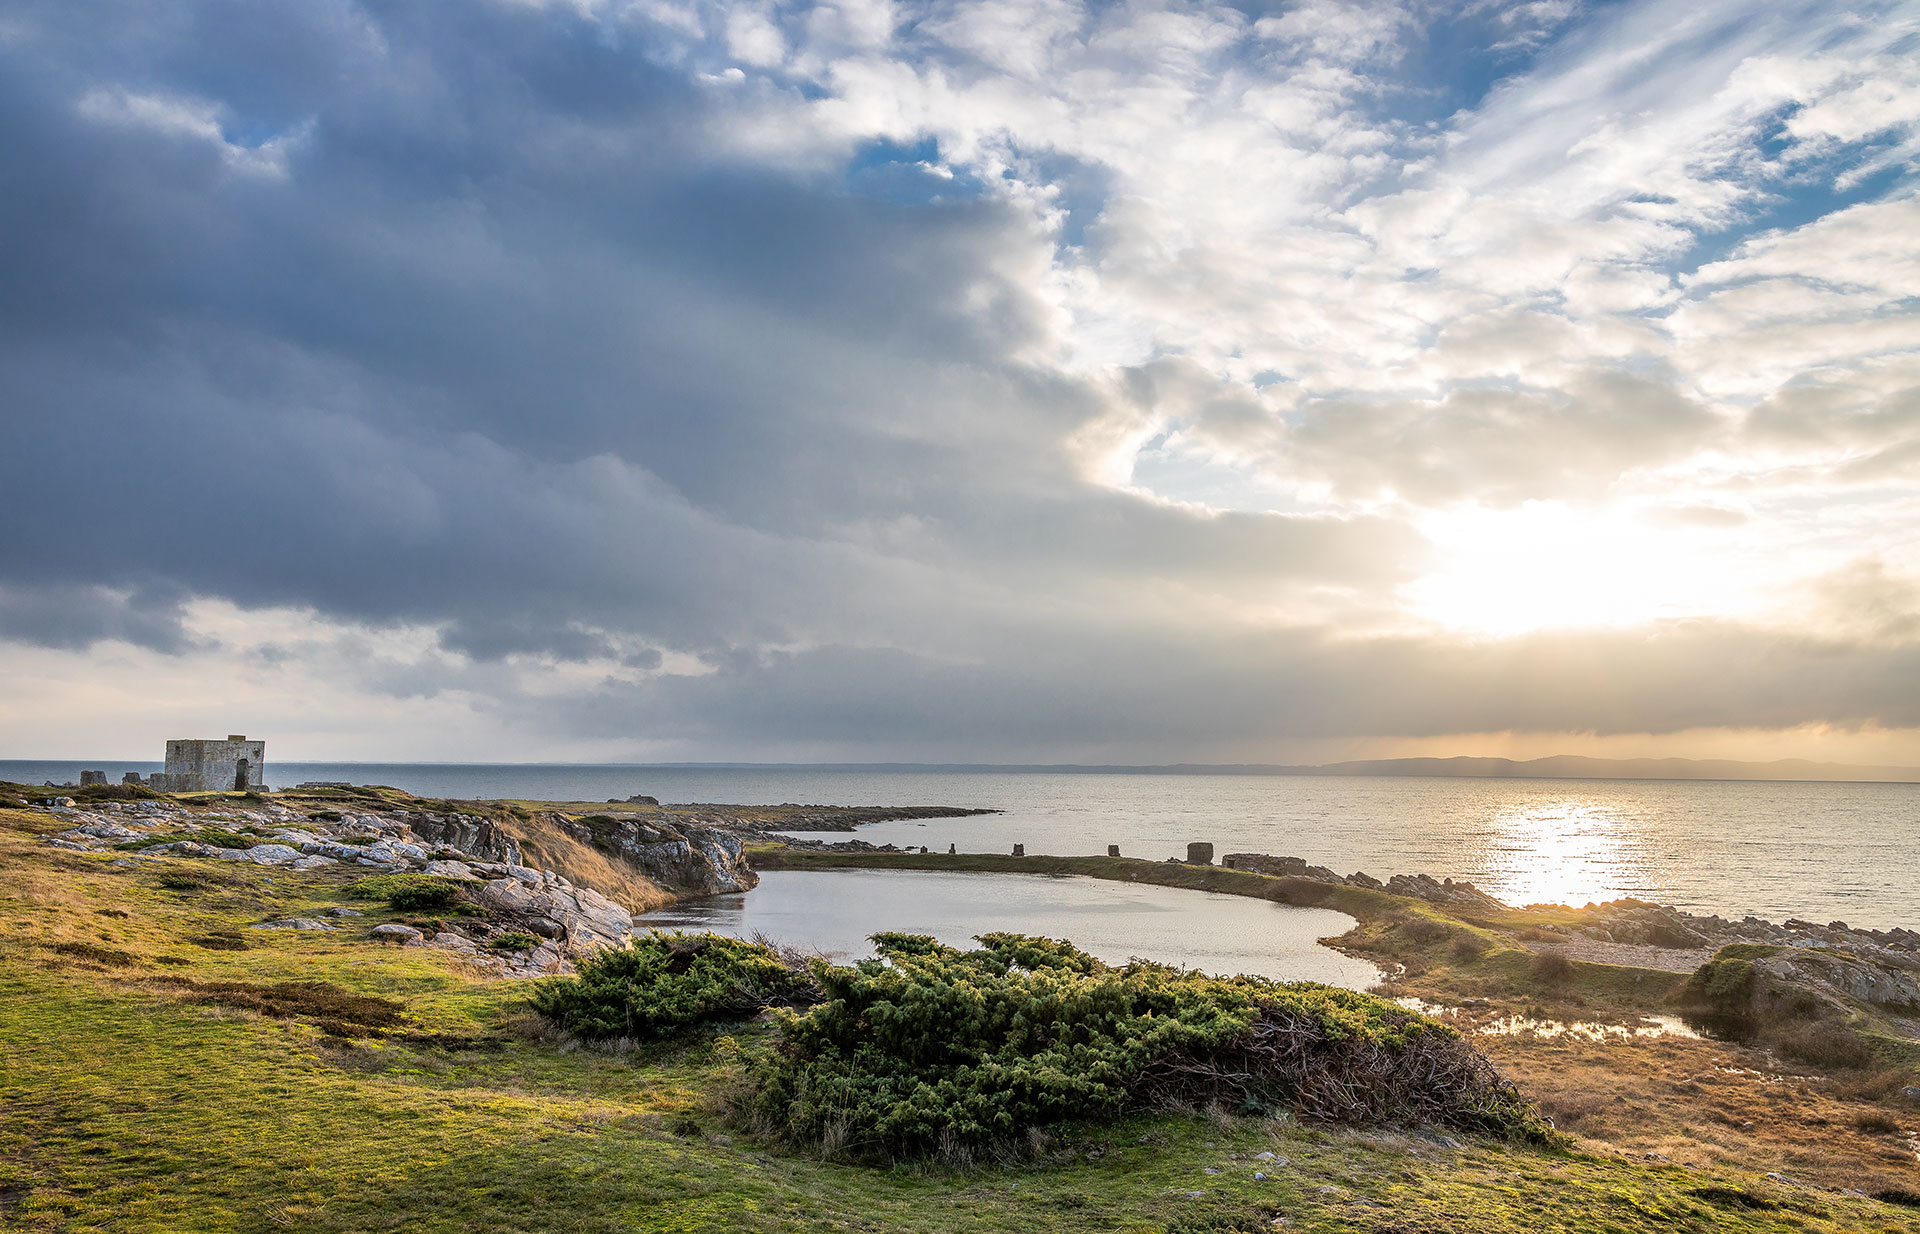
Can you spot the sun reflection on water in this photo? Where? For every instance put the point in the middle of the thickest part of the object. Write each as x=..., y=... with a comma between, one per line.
x=1565, y=851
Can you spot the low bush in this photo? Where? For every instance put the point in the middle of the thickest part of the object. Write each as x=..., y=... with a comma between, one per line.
x=1469, y=947
x=668, y=983
x=1826, y=1045
x=1723, y=984
x=931, y=1049
x=1551, y=967
x=1425, y=930
x=513, y=940
x=409, y=893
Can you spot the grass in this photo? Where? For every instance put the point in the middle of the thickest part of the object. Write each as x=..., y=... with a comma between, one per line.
x=128, y=1104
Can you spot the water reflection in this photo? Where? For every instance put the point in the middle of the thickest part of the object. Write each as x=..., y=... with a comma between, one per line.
x=833, y=911
x=1566, y=851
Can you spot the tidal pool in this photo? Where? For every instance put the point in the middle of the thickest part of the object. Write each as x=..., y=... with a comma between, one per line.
x=833, y=911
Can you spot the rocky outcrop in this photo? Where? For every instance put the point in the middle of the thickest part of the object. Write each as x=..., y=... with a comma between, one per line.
x=470, y=834
x=685, y=859
x=549, y=919
x=1415, y=886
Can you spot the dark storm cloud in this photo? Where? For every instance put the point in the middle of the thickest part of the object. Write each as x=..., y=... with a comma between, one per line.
x=1151, y=700
x=500, y=344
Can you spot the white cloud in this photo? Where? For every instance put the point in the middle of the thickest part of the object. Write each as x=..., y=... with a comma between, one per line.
x=192, y=119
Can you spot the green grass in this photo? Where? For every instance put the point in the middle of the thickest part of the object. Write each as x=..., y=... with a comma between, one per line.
x=126, y=1106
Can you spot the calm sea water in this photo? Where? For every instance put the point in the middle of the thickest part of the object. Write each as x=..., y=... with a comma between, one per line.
x=833, y=911
x=1821, y=851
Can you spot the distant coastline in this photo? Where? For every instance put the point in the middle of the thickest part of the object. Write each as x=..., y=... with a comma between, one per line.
x=1552, y=767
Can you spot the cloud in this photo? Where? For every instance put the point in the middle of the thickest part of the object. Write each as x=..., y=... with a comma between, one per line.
x=953, y=377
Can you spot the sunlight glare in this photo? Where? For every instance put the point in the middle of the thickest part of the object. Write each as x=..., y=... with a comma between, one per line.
x=1546, y=566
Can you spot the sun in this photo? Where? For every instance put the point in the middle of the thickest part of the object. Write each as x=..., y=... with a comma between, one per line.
x=1547, y=566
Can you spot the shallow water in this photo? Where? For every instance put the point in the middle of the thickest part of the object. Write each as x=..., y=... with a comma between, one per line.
x=1814, y=850
x=834, y=910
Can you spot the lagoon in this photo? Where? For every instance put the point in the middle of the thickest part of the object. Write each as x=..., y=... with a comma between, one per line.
x=833, y=911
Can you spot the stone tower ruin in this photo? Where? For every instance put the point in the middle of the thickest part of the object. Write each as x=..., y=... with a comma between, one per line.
x=233, y=765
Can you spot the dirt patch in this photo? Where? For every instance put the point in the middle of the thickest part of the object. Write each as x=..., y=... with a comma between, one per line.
x=93, y=953
x=220, y=942
x=1631, y=955
x=327, y=1006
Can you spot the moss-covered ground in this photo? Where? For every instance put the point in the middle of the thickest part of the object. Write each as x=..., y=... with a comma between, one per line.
x=131, y=1102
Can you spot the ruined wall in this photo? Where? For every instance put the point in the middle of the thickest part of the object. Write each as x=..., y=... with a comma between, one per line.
x=214, y=766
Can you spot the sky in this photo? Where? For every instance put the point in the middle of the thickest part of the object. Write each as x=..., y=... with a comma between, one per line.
x=610, y=380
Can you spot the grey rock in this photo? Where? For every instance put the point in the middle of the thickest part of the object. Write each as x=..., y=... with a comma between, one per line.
x=394, y=930
x=449, y=869
x=295, y=923
x=269, y=854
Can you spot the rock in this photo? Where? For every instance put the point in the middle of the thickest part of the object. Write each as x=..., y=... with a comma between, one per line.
x=458, y=942
x=266, y=854
x=680, y=857
x=312, y=863
x=295, y=923
x=469, y=834
x=393, y=931
x=449, y=869
x=546, y=928
x=340, y=910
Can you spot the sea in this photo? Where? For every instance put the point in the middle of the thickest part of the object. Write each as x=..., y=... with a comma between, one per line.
x=1816, y=850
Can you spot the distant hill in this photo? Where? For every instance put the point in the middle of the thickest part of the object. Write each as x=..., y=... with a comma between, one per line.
x=1553, y=767
x=1580, y=767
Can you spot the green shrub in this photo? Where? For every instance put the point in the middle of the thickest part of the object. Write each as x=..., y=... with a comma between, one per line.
x=667, y=983
x=1724, y=984
x=933, y=1049
x=513, y=940
x=409, y=893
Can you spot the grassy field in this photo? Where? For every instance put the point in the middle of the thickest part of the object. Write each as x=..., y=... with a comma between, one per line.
x=131, y=1101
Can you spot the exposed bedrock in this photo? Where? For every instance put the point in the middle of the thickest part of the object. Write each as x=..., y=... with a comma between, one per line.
x=684, y=859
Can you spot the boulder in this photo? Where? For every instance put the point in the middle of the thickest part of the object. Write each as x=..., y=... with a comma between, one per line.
x=295, y=923
x=393, y=931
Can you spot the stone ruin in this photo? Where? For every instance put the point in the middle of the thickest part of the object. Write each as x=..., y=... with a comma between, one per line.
x=202, y=766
